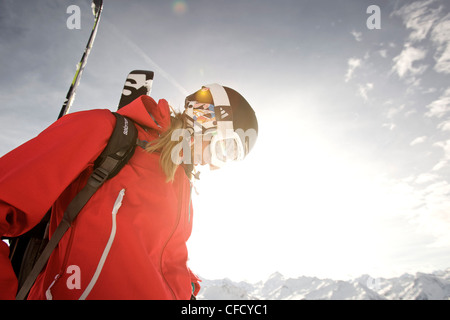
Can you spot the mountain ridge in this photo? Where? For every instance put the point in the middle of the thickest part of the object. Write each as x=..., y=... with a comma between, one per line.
x=420, y=286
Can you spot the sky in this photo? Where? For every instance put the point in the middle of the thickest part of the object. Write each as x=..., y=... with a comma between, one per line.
x=351, y=171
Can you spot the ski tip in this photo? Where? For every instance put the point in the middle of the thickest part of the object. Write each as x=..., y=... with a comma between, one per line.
x=96, y=5
x=148, y=74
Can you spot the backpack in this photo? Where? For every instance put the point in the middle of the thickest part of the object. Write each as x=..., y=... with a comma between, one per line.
x=30, y=252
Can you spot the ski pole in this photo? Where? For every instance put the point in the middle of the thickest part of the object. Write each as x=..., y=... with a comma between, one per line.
x=97, y=7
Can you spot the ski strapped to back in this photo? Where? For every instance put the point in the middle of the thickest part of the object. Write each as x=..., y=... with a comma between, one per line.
x=119, y=150
x=138, y=82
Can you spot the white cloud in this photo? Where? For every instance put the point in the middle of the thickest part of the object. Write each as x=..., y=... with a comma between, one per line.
x=445, y=160
x=357, y=35
x=425, y=204
x=423, y=21
x=364, y=89
x=418, y=17
x=405, y=60
x=425, y=178
x=353, y=63
x=410, y=112
x=392, y=112
x=418, y=140
x=441, y=37
x=391, y=126
x=390, y=115
x=445, y=125
x=433, y=217
x=439, y=107
x=429, y=90
x=441, y=164
x=383, y=53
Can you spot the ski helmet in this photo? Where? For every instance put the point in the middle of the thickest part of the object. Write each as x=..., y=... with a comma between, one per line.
x=226, y=112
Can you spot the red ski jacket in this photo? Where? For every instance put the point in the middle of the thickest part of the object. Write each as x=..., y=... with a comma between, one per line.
x=138, y=252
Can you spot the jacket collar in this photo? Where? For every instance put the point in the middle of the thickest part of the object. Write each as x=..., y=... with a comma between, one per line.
x=146, y=112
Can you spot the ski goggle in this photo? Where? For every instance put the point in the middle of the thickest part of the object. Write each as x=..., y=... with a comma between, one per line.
x=208, y=111
x=225, y=147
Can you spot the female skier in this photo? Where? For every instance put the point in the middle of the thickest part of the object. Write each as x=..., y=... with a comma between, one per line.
x=136, y=250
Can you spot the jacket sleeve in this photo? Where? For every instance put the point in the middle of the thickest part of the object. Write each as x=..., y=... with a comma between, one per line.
x=33, y=175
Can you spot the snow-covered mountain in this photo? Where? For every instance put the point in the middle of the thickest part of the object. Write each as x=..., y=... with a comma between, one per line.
x=421, y=286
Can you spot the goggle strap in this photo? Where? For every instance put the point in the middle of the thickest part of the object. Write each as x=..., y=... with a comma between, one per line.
x=219, y=95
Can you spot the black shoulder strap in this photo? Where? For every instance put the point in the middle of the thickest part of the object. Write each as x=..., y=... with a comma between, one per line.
x=121, y=145
x=119, y=150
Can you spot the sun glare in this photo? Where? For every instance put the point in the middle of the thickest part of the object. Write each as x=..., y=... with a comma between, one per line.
x=332, y=209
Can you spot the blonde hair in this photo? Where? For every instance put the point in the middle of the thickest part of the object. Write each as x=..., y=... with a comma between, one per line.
x=164, y=145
